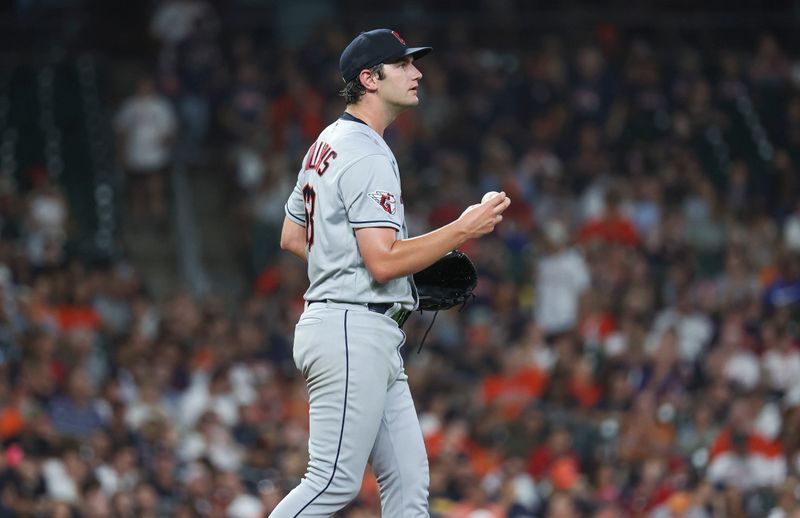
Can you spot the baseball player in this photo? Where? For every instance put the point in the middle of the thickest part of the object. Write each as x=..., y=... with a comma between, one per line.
x=345, y=217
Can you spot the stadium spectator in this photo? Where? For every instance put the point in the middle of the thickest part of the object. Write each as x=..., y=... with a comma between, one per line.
x=147, y=126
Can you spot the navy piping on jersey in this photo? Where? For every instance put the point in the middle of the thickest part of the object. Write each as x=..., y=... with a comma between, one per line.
x=352, y=118
x=390, y=222
x=344, y=415
x=298, y=218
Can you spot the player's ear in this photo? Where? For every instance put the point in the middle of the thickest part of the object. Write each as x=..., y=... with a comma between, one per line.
x=369, y=80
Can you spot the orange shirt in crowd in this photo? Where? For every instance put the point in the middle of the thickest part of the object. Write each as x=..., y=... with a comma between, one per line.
x=543, y=459
x=369, y=493
x=512, y=392
x=609, y=230
x=756, y=445
x=586, y=392
x=11, y=423
x=77, y=317
x=597, y=326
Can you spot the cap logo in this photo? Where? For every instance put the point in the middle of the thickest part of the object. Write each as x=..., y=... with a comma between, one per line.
x=401, y=40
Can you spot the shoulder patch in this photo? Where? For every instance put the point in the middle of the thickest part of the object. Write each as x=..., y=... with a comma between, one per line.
x=386, y=200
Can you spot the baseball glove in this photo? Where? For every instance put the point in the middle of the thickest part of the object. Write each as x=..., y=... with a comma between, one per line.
x=446, y=283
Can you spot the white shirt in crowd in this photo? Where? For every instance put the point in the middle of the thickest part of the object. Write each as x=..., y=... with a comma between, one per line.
x=694, y=332
x=561, y=278
x=791, y=232
x=782, y=368
x=173, y=21
x=747, y=471
x=48, y=214
x=147, y=123
x=60, y=485
x=743, y=369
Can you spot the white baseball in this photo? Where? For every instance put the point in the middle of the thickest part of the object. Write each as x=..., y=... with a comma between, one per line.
x=488, y=196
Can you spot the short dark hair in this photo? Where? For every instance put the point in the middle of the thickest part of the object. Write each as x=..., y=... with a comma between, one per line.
x=353, y=90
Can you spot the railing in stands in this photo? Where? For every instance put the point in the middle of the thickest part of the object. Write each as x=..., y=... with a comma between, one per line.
x=8, y=136
x=185, y=225
x=101, y=155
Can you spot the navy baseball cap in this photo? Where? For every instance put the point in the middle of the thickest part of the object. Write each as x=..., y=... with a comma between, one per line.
x=373, y=47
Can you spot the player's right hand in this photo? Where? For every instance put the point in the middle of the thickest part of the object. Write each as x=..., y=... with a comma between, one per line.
x=480, y=219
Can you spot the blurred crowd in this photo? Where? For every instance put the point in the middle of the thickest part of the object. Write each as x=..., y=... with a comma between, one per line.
x=633, y=349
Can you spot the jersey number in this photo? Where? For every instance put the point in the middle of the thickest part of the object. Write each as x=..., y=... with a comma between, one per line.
x=309, y=199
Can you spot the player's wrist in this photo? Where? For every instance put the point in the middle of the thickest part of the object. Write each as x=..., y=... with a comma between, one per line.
x=460, y=232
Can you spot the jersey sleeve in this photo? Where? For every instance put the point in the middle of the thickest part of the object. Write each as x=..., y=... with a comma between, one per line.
x=295, y=206
x=370, y=191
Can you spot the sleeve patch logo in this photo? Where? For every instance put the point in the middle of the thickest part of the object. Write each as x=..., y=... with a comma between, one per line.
x=385, y=199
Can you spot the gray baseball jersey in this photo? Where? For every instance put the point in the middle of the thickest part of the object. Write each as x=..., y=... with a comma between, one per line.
x=360, y=405
x=349, y=180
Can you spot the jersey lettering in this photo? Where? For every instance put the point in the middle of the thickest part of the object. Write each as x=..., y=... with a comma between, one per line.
x=310, y=160
x=309, y=199
x=319, y=157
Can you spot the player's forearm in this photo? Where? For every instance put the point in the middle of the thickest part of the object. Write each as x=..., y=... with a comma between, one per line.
x=408, y=256
x=295, y=247
x=388, y=258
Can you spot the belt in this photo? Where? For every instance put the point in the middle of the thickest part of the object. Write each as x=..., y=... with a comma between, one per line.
x=383, y=308
x=379, y=307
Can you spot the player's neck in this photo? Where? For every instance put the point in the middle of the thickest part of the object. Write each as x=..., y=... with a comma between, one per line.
x=376, y=116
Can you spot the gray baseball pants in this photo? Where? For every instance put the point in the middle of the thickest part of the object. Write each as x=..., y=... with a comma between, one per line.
x=361, y=411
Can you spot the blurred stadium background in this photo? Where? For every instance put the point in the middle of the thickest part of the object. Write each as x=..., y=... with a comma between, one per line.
x=634, y=348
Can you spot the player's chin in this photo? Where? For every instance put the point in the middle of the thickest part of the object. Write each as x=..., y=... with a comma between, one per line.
x=408, y=101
